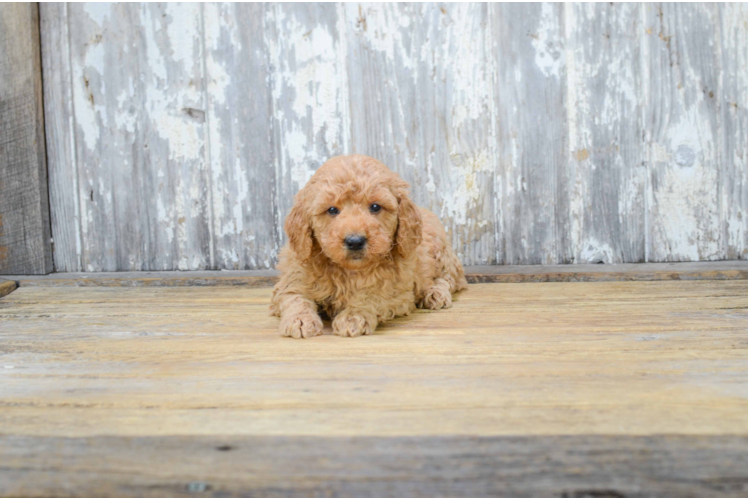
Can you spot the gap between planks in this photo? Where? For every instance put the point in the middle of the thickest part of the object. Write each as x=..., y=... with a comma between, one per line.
x=719, y=270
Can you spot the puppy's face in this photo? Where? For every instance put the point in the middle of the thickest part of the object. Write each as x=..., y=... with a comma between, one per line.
x=355, y=211
x=355, y=225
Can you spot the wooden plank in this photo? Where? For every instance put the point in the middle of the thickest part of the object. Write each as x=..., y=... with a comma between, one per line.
x=25, y=239
x=634, y=359
x=607, y=175
x=721, y=270
x=223, y=466
x=584, y=389
x=734, y=180
x=242, y=150
x=6, y=287
x=682, y=120
x=623, y=272
x=310, y=94
x=139, y=104
x=422, y=101
x=532, y=128
x=59, y=119
x=262, y=278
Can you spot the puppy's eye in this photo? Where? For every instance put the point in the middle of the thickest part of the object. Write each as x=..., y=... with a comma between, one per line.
x=333, y=211
x=374, y=208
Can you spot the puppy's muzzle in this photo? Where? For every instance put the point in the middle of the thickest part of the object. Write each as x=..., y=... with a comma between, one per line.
x=355, y=242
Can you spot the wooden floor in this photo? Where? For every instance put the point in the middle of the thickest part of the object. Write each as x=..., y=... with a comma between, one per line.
x=560, y=389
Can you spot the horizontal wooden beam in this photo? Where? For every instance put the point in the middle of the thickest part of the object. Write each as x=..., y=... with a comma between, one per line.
x=527, y=466
x=720, y=270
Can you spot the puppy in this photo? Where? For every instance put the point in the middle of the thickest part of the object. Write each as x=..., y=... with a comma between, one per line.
x=360, y=251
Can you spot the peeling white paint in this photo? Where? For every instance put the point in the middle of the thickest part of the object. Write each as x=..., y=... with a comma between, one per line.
x=384, y=28
x=595, y=252
x=436, y=108
x=308, y=67
x=471, y=86
x=91, y=114
x=458, y=205
x=548, y=43
x=98, y=12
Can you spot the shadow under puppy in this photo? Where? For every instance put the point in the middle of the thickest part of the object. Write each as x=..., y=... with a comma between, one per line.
x=361, y=251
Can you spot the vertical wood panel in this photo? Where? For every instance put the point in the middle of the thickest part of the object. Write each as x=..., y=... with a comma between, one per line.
x=532, y=133
x=681, y=78
x=607, y=174
x=140, y=136
x=310, y=93
x=241, y=136
x=25, y=246
x=734, y=24
x=59, y=120
x=422, y=101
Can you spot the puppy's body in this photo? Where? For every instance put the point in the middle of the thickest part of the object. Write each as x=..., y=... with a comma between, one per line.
x=406, y=260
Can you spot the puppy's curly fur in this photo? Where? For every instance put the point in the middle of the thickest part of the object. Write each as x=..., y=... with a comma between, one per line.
x=406, y=260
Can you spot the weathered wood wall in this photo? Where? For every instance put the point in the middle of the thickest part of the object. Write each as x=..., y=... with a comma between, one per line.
x=540, y=133
x=25, y=241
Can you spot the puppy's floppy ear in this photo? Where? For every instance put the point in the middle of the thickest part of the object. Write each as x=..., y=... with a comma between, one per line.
x=409, y=223
x=299, y=230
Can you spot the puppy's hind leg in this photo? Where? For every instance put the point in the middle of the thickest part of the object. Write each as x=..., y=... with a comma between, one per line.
x=437, y=296
x=443, y=275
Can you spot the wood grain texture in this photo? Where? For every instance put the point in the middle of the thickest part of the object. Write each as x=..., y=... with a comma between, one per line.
x=540, y=134
x=226, y=465
x=139, y=106
x=6, y=287
x=722, y=270
x=25, y=239
x=59, y=121
x=583, y=389
x=531, y=114
x=242, y=147
x=681, y=77
x=734, y=172
x=306, y=50
x=607, y=175
x=422, y=100
x=642, y=358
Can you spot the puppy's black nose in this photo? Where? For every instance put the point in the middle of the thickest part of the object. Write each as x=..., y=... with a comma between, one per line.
x=355, y=242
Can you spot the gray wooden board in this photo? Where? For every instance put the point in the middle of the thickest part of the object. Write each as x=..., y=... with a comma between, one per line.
x=310, y=120
x=25, y=245
x=723, y=270
x=606, y=178
x=59, y=122
x=138, y=94
x=241, y=144
x=682, y=121
x=531, y=115
x=422, y=100
x=734, y=45
x=539, y=133
x=520, y=466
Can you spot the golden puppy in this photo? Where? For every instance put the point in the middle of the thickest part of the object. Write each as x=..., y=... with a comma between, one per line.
x=360, y=251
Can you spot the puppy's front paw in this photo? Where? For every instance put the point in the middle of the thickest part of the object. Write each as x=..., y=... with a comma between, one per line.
x=301, y=326
x=351, y=325
x=436, y=298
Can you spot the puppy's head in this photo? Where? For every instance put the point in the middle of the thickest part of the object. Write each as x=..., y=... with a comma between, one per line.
x=355, y=211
